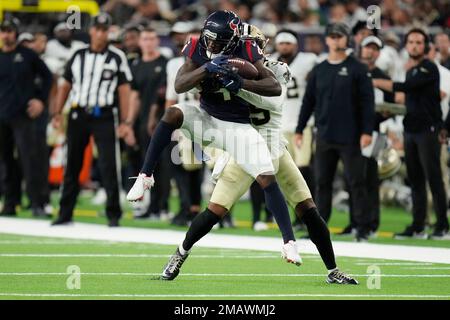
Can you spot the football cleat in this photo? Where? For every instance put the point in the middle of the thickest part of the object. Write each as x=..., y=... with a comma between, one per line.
x=410, y=232
x=172, y=268
x=289, y=252
x=340, y=277
x=141, y=184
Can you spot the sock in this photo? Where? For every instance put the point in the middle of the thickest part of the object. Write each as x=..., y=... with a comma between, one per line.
x=332, y=270
x=182, y=250
x=200, y=226
x=277, y=205
x=160, y=139
x=320, y=236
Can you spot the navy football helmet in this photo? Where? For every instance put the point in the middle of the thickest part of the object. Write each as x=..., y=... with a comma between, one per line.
x=220, y=33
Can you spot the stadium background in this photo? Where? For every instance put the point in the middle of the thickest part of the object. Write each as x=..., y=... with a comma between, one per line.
x=305, y=17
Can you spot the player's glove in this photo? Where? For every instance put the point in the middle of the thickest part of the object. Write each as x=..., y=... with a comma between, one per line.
x=217, y=64
x=231, y=81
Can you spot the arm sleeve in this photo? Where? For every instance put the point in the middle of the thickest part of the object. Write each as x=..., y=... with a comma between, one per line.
x=308, y=103
x=46, y=76
x=262, y=102
x=366, y=99
x=422, y=77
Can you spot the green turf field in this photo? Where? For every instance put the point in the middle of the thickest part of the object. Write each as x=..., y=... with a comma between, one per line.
x=392, y=220
x=37, y=268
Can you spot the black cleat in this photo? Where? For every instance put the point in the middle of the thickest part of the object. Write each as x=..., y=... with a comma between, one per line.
x=113, y=222
x=172, y=268
x=340, y=277
x=39, y=212
x=410, y=232
x=362, y=236
x=62, y=222
x=440, y=234
x=348, y=230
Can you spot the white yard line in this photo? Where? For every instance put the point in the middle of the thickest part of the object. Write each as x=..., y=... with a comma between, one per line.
x=119, y=255
x=139, y=274
x=287, y=295
x=84, y=231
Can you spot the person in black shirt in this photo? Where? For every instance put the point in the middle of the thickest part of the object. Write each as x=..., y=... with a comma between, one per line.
x=423, y=126
x=21, y=102
x=340, y=93
x=370, y=51
x=147, y=90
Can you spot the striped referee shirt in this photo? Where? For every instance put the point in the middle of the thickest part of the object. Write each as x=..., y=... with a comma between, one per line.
x=95, y=76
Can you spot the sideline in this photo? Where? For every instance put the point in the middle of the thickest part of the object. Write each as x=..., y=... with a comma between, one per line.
x=170, y=237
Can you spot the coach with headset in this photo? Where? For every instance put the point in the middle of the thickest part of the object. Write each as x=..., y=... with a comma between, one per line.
x=340, y=93
x=424, y=132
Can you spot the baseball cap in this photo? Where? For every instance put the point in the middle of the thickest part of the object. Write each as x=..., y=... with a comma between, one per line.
x=339, y=28
x=372, y=39
x=26, y=36
x=60, y=27
x=102, y=19
x=181, y=27
x=10, y=24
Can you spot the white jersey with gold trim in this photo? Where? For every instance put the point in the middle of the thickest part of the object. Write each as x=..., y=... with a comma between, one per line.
x=267, y=114
x=300, y=68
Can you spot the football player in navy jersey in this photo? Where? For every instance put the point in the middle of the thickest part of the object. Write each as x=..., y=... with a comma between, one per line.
x=220, y=111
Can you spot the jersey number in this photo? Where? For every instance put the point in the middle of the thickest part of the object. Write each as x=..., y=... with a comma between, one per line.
x=259, y=116
x=292, y=91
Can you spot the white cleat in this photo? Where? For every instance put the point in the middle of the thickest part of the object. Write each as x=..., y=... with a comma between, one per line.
x=141, y=184
x=289, y=252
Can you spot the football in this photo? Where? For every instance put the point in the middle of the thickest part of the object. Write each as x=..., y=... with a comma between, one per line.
x=244, y=68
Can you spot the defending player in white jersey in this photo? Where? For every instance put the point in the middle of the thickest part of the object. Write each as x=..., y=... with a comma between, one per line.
x=300, y=64
x=233, y=182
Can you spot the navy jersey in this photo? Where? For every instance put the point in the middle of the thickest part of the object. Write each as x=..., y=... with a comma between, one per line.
x=219, y=103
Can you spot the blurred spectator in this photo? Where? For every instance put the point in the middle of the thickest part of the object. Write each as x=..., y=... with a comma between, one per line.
x=389, y=60
x=39, y=44
x=356, y=12
x=21, y=103
x=370, y=51
x=115, y=37
x=361, y=31
x=131, y=42
x=313, y=43
x=442, y=43
x=149, y=79
x=338, y=13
